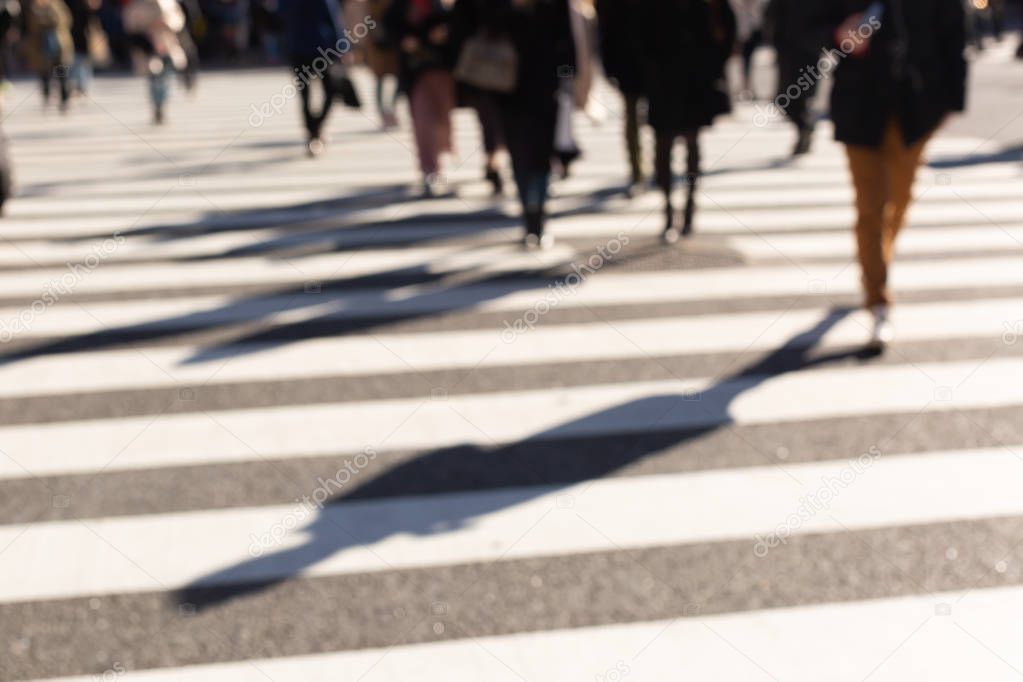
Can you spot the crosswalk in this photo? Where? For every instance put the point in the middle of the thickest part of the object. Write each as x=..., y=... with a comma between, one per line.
x=271, y=418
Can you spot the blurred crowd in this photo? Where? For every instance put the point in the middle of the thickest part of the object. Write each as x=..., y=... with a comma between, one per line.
x=526, y=67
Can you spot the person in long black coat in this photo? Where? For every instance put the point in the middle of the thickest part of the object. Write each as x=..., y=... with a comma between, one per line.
x=686, y=46
x=899, y=77
x=312, y=30
x=542, y=34
x=799, y=37
x=621, y=52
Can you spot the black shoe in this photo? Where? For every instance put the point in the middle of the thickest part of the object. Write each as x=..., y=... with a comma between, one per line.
x=804, y=143
x=496, y=183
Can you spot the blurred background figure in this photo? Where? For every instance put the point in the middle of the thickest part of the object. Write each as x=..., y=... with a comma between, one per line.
x=157, y=25
x=422, y=32
x=382, y=60
x=686, y=45
x=49, y=47
x=10, y=18
x=890, y=96
x=479, y=20
x=749, y=18
x=541, y=33
x=798, y=41
x=85, y=30
x=620, y=47
x=312, y=26
x=193, y=24
x=576, y=85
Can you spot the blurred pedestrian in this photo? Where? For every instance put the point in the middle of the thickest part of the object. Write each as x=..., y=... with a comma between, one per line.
x=312, y=32
x=84, y=21
x=621, y=50
x=904, y=73
x=474, y=20
x=795, y=31
x=686, y=45
x=49, y=45
x=422, y=31
x=541, y=33
x=10, y=19
x=382, y=60
x=158, y=23
x=749, y=17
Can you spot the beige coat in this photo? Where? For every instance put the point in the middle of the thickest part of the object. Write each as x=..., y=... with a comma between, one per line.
x=43, y=17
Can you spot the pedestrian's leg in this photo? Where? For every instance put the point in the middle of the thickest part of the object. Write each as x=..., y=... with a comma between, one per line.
x=632, y=139
x=64, y=86
x=44, y=80
x=870, y=181
x=665, y=180
x=307, y=115
x=903, y=163
x=423, y=127
x=493, y=138
x=444, y=104
x=329, y=95
x=693, y=174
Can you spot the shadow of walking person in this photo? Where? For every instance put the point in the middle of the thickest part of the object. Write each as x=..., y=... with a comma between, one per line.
x=352, y=524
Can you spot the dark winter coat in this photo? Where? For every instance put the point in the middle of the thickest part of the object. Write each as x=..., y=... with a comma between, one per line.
x=686, y=44
x=621, y=43
x=311, y=26
x=401, y=22
x=914, y=70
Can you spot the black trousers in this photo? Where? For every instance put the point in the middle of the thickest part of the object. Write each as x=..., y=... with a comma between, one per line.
x=314, y=120
x=791, y=69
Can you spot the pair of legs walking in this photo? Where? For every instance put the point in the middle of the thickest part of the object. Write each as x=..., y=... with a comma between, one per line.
x=883, y=178
x=314, y=118
x=666, y=180
x=59, y=74
x=432, y=99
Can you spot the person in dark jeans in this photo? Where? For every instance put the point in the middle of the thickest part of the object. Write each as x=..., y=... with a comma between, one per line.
x=892, y=92
x=620, y=51
x=313, y=29
x=798, y=39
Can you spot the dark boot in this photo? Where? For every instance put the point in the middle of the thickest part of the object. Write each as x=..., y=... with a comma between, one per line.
x=690, y=210
x=671, y=232
x=804, y=142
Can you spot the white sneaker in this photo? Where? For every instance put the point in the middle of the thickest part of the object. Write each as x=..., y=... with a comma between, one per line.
x=883, y=333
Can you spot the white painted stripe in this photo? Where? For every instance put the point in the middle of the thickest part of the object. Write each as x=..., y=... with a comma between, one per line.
x=884, y=640
x=607, y=289
x=75, y=558
x=943, y=242
x=310, y=430
x=998, y=320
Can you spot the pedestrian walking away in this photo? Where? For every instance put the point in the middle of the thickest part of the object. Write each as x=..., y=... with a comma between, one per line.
x=422, y=31
x=799, y=37
x=749, y=18
x=892, y=91
x=382, y=60
x=312, y=32
x=49, y=45
x=540, y=35
x=84, y=23
x=686, y=45
x=620, y=49
x=157, y=23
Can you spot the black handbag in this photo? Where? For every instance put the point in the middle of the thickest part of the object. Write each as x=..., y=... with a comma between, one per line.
x=344, y=88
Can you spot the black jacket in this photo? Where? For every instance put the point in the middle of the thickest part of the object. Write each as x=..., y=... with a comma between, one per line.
x=914, y=70
x=400, y=22
x=685, y=46
x=621, y=43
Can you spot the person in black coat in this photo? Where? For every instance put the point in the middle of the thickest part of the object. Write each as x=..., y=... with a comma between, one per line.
x=313, y=38
x=898, y=77
x=621, y=53
x=686, y=45
x=799, y=37
x=541, y=32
